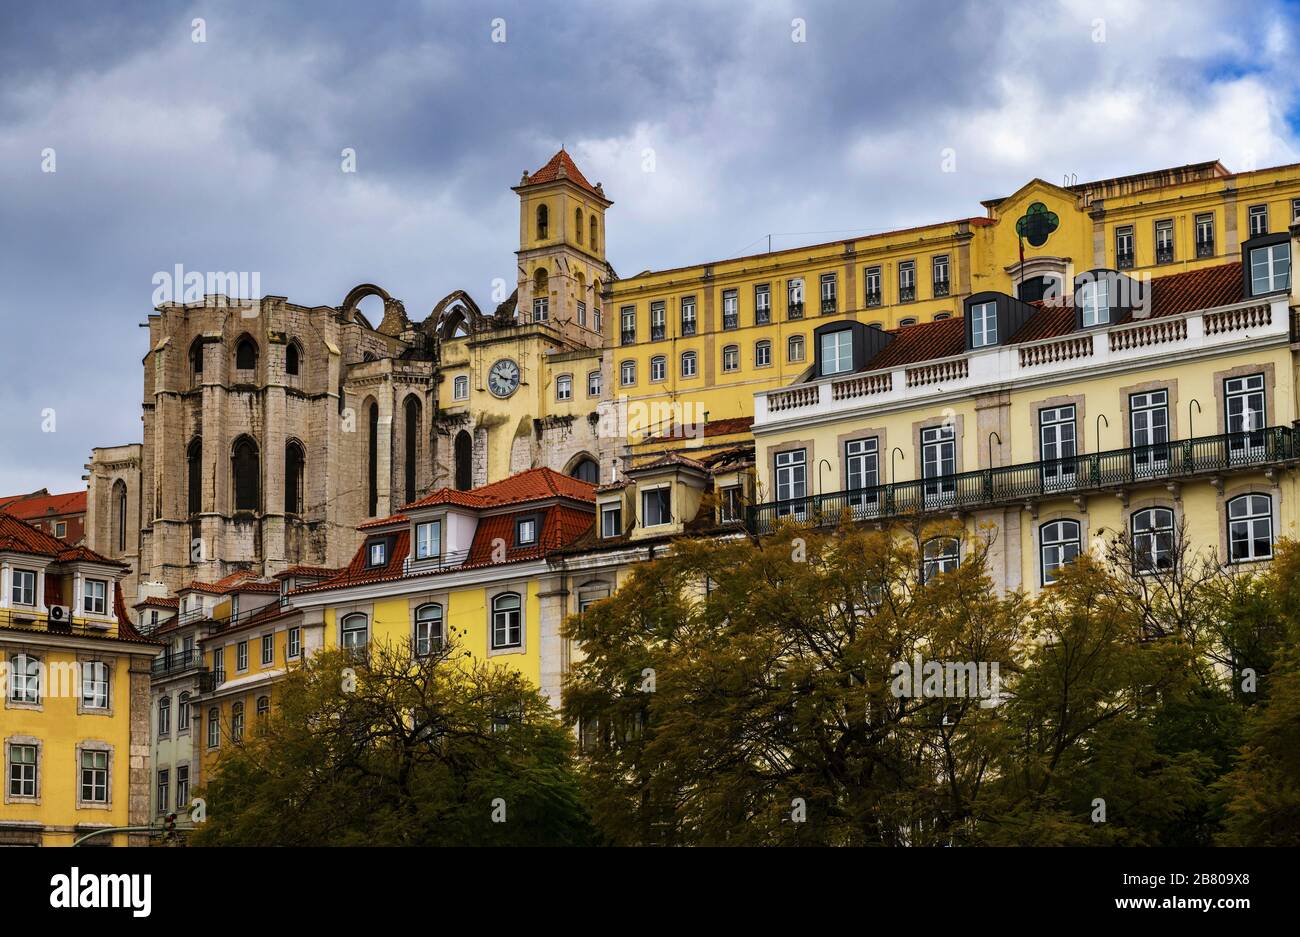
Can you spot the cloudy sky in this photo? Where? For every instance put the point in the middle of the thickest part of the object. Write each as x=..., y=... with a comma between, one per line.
x=226, y=154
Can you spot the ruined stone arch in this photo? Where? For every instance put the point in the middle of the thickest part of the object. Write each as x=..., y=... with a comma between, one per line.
x=456, y=314
x=349, y=310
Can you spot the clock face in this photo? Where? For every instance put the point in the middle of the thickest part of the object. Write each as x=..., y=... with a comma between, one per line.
x=503, y=379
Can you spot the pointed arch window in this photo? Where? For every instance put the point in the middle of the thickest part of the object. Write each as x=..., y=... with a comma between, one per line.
x=196, y=357
x=246, y=470
x=246, y=354
x=119, y=502
x=295, y=464
x=412, y=417
x=292, y=359
x=372, y=482
x=194, y=474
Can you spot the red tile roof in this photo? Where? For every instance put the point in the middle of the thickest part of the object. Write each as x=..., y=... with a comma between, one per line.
x=41, y=504
x=531, y=485
x=311, y=572
x=19, y=536
x=1171, y=295
x=562, y=166
x=728, y=427
x=242, y=580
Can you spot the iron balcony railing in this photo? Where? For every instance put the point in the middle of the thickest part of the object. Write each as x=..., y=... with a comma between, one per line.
x=873, y=298
x=1117, y=468
x=906, y=294
x=171, y=663
x=1205, y=248
x=940, y=288
x=794, y=309
x=30, y=619
x=1124, y=260
x=1165, y=255
x=828, y=305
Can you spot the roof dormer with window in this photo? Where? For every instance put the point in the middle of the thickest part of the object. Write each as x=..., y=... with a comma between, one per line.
x=992, y=318
x=1266, y=264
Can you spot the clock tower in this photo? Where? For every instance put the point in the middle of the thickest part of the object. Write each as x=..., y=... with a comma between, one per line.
x=562, y=267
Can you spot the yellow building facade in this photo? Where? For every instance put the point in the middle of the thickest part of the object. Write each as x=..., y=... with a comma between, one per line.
x=74, y=721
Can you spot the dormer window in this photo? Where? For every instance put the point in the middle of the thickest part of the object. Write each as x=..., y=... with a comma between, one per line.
x=836, y=352
x=656, y=507
x=24, y=587
x=428, y=540
x=611, y=519
x=1095, y=303
x=1270, y=268
x=525, y=531
x=377, y=553
x=983, y=324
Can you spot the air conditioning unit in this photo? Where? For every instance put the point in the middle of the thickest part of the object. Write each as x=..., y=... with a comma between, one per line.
x=59, y=615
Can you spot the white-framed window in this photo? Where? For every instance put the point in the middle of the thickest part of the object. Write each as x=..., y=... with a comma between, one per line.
x=219, y=664
x=428, y=540
x=1057, y=439
x=836, y=352
x=564, y=387
x=268, y=649
x=23, y=591
x=24, y=679
x=658, y=368
x=794, y=348
x=794, y=298
x=214, y=727
x=525, y=531
x=1258, y=219
x=428, y=629
x=541, y=308
x=689, y=363
x=940, y=555
x=295, y=642
x=906, y=281
x=1094, y=298
x=910, y=320
x=762, y=354
x=939, y=272
x=862, y=469
x=656, y=507
x=96, y=597
x=730, y=505
x=1059, y=543
x=762, y=304
x=355, y=632
x=871, y=279
x=1250, y=528
x=939, y=462
x=263, y=707
x=830, y=291
x=1244, y=414
x=611, y=520
x=983, y=324
x=791, y=480
x=688, y=315
x=183, y=712
x=731, y=358
x=60, y=529
x=593, y=384
x=23, y=765
x=507, y=621
x=730, y=309
x=237, y=721
x=1149, y=431
x=164, y=715
x=1164, y=241
x=241, y=655
x=658, y=320
x=1295, y=211
x=1205, y=234
x=1124, y=246
x=1152, y=531
x=627, y=373
x=460, y=387
x=94, y=684
x=377, y=553
x=582, y=314
x=182, y=786
x=1270, y=268
x=164, y=789
x=628, y=316
x=94, y=776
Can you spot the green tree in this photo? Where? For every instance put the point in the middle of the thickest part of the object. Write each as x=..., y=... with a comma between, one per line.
x=399, y=749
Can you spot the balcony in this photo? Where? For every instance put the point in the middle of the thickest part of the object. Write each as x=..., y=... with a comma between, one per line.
x=174, y=663
x=730, y=320
x=873, y=298
x=1116, y=470
x=762, y=315
x=657, y=333
x=828, y=306
x=1205, y=248
x=940, y=288
x=907, y=294
x=628, y=337
x=28, y=619
x=1165, y=255
x=795, y=310
x=1124, y=260
x=688, y=327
